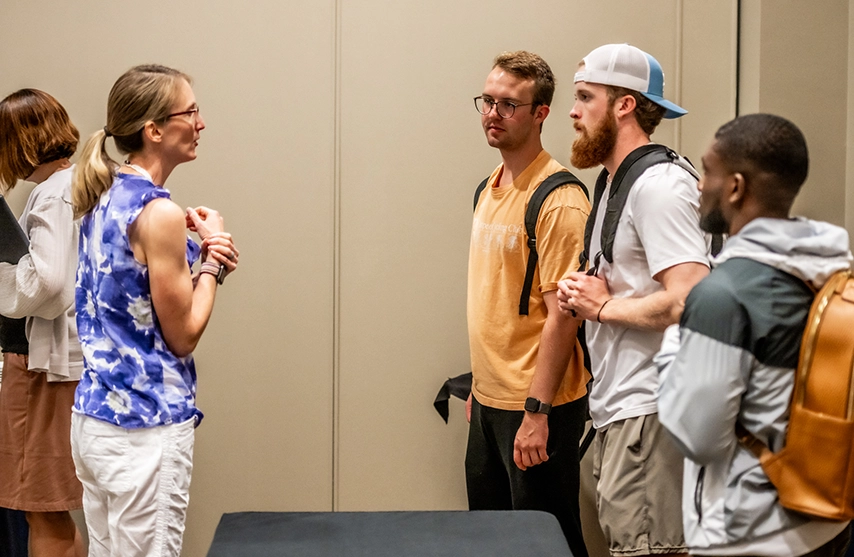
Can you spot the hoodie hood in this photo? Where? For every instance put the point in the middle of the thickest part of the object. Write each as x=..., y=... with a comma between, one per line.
x=810, y=250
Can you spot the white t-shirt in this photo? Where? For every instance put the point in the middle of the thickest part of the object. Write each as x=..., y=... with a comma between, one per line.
x=659, y=228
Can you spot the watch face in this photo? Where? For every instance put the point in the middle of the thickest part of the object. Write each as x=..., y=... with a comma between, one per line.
x=536, y=406
x=532, y=404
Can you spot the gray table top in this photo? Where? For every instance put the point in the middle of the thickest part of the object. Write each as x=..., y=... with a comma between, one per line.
x=380, y=534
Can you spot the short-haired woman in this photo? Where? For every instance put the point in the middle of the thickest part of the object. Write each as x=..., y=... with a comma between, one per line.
x=140, y=314
x=37, y=139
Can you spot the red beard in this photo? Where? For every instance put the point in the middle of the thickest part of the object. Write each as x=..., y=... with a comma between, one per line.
x=592, y=147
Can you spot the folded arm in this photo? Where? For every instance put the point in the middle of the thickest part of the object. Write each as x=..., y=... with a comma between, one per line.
x=158, y=239
x=590, y=298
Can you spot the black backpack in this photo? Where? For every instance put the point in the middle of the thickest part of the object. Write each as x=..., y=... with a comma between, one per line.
x=532, y=213
x=629, y=171
x=635, y=164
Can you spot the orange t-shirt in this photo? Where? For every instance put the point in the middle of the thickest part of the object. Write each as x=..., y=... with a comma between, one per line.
x=504, y=345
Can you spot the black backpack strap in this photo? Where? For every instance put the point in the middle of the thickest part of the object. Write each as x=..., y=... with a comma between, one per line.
x=598, y=191
x=717, y=244
x=635, y=164
x=532, y=214
x=479, y=189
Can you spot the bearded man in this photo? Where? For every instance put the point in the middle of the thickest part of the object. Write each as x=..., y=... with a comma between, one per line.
x=734, y=356
x=659, y=254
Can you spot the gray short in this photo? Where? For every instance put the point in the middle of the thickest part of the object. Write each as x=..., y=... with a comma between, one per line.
x=639, y=488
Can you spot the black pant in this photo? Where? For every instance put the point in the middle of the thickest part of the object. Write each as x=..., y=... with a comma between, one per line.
x=13, y=533
x=494, y=482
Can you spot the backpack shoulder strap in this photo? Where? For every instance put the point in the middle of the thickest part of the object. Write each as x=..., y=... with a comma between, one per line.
x=477, y=192
x=635, y=164
x=598, y=191
x=532, y=214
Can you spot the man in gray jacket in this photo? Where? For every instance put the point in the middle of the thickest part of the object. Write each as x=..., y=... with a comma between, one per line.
x=732, y=357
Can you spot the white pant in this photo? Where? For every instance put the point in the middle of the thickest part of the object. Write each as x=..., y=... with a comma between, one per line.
x=136, y=486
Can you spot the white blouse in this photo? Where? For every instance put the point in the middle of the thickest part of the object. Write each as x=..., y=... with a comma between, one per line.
x=41, y=286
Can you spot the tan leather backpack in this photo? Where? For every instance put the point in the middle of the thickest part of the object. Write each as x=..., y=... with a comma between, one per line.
x=814, y=472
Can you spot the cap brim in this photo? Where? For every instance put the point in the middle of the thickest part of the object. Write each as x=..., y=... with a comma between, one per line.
x=673, y=110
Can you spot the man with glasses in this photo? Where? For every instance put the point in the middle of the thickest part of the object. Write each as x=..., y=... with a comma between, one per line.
x=528, y=402
x=640, y=277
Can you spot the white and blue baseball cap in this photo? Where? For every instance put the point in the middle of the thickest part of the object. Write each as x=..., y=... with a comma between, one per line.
x=624, y=65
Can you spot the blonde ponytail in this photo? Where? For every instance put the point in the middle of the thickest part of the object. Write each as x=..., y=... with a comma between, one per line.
x=142, y=94
x=93, y=174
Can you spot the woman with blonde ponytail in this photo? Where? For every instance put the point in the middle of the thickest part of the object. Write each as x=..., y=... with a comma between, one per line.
x=95, y=175
x=42, y=360
x=140, y=313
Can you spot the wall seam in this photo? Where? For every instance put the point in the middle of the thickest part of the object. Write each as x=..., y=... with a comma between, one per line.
x=737, y=58
x=680, y=45
x=336, y=249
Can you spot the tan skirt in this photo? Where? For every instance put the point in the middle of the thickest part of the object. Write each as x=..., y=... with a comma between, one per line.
x=36, y=470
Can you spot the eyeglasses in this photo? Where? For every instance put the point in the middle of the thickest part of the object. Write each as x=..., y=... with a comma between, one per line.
x=193, y=112
x=505, y=109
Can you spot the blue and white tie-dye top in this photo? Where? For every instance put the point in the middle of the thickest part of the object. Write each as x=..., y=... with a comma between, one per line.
x=130, y=377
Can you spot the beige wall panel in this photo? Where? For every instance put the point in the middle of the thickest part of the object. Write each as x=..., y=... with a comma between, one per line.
x=412, y=153
x=750, y=45
x=264, y=76
x=709, y=78
x=804, y=77
x=792, y=52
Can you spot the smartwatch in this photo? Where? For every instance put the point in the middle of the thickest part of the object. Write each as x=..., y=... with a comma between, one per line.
x=537, y=406
x=217, y=270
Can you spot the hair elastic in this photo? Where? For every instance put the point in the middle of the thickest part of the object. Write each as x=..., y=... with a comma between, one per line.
x=107, y=132
x=599, y=313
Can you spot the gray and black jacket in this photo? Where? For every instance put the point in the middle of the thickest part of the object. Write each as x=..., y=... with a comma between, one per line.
x=732, y=358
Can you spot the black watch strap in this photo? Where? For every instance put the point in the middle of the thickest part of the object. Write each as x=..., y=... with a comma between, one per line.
x=536, y=406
